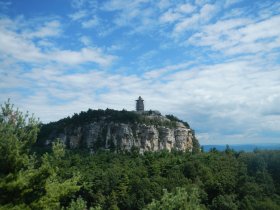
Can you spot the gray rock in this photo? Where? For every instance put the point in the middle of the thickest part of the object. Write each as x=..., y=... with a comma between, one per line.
x=125, y=136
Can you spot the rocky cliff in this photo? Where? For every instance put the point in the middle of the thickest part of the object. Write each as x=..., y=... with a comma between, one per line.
x=146, y=132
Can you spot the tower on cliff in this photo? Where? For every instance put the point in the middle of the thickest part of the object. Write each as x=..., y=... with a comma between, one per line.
x=140, y=104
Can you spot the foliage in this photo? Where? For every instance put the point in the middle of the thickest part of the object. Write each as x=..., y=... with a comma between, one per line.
x=196, y=145
x=17, y=133
x=176, y=119
x=26, y=180
x=80, y=204
x=181, y=199
x=214, y=180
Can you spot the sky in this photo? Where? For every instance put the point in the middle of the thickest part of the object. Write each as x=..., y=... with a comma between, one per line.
x=214, y=64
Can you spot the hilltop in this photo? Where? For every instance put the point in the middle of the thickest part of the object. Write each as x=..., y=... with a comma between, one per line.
x=121, y=130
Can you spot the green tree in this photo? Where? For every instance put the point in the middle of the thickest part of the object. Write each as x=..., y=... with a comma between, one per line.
x=80, y=204
x=26, y=180
x=18, y=132
x=225, y=202
x=181, y=199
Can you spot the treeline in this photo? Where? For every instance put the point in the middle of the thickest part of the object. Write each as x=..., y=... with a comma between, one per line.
x=86, y=117
x=221, y=180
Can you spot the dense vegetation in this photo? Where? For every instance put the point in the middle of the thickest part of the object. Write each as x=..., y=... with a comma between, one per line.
x=63, y=179
x=214, y=180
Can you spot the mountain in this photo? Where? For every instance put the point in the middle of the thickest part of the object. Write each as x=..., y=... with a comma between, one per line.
x=121, y=130
x=244, y=147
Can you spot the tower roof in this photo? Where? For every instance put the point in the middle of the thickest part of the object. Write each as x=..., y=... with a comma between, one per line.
x=140, y=99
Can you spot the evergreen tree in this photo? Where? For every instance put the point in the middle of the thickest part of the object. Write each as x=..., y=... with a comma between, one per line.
x=182, y=199
x=27, y=181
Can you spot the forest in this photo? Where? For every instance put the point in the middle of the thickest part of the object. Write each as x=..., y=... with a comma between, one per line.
x=33, y=177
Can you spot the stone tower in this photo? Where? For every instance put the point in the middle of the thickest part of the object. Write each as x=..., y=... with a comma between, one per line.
x=140, y=104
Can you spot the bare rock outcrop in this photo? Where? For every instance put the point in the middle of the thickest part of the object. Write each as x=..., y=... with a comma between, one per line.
x=155, y=132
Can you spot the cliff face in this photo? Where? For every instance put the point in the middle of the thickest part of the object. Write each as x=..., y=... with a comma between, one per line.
x=125, y=136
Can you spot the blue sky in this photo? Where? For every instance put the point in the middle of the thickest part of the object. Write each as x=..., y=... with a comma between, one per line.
x=214, y=64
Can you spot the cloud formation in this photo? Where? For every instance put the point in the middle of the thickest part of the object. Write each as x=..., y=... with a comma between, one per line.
x=212, y=63
x=22, y=46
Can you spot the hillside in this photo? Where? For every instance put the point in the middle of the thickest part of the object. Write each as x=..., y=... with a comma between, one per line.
x=121, y=130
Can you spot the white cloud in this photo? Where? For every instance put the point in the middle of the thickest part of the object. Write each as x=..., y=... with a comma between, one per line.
x=235, y=36
x=208, y=11
x=261, y=30
x=146, y=58
x=21, y=47
x=78, y=3
x=86, y=40
x=170, y=16
x=90, y=23
x=205, y=14
x=15, y=45
x=163, y=4
x=158, y=73
x=52, y=28
x=201, y=2
x=78, y=15
x=115, y=47
x=82, y=56
x=127, y=5
x=138, y=15
x=186, y=8
x=175, y=14
x=229, y=3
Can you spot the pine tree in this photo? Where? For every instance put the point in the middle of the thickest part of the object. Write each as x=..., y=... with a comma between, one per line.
x=28, y=181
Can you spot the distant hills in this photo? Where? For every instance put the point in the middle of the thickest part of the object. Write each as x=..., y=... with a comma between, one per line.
x=244, y=147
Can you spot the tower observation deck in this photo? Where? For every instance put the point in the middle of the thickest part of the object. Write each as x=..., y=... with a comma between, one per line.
x=140, y=104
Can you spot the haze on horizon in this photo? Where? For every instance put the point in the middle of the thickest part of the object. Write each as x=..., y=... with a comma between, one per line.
x=214, y=64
